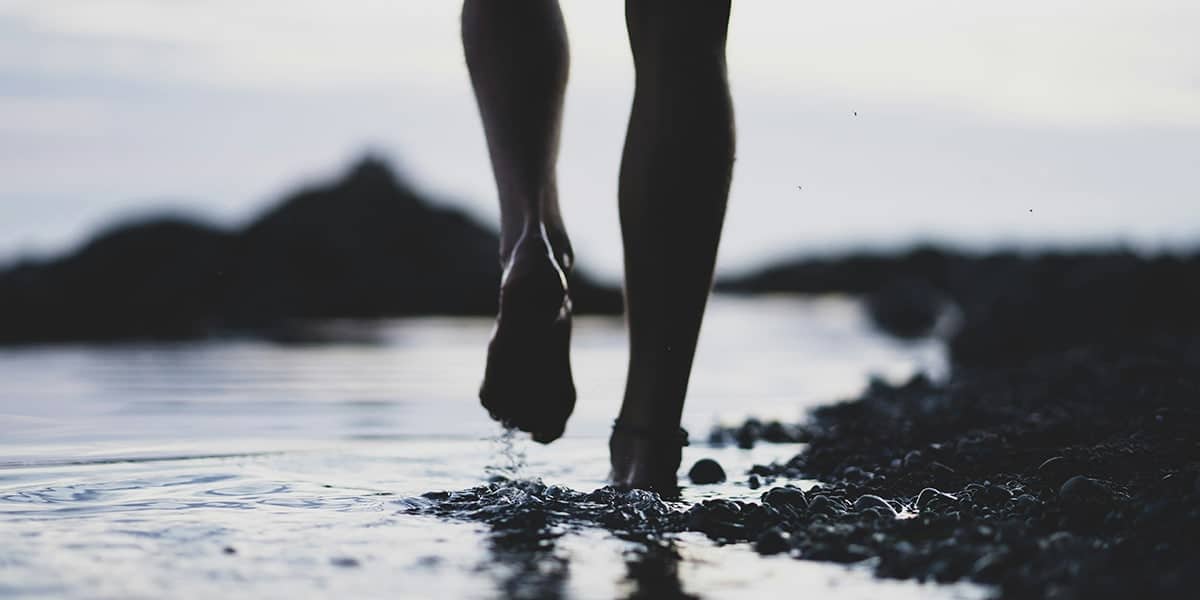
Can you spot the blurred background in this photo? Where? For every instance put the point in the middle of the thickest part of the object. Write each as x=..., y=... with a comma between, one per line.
x=863, y=123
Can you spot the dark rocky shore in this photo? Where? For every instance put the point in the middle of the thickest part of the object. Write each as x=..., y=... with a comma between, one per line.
x=1002, y=307
x=1061, y=459
x=364, y=246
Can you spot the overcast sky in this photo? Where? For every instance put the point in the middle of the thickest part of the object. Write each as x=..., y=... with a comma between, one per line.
x=1035, y=121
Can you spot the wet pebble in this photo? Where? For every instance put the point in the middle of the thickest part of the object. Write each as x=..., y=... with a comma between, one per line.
x=824, y=505
x=706, y=471
x=1080, y=490
x=229, y=550
x=344, y=561
x=856, y=474
x=1026, y=503
x=933, y=499
x=753, y=482
x=772, y=541
x=785, y=498
x=872, y=502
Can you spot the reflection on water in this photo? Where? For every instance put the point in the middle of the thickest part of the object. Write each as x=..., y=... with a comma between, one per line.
x=241, y=468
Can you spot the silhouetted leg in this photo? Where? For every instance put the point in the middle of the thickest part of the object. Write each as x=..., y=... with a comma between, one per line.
x=517, y=57
x=675, y=176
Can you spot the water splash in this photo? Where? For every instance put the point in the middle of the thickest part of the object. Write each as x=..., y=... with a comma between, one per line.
x=508, y=455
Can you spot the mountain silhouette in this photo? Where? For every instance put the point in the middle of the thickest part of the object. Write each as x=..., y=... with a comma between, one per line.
x=364, y=246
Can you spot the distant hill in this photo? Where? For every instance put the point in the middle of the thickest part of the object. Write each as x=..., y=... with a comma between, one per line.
x=364, y=246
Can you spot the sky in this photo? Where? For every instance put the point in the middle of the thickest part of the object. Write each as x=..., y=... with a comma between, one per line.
x=1028, y=122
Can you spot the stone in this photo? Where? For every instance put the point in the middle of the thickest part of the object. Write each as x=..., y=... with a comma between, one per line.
x=934, y=499
x=772, y=541
x=1080, y=490
x=870, y=501
x=706, y=471
x=785, y=497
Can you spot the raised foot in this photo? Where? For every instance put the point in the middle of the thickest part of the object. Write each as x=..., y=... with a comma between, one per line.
x=527, y=383
x=646, y=459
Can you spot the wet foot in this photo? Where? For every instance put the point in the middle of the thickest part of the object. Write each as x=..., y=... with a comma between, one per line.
x=646, y=459
x=527, y=384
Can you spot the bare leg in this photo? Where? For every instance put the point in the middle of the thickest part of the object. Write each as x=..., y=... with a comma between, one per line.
x=675, y=177
x=517, y=57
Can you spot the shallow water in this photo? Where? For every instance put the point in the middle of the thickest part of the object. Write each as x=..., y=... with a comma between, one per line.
x=237, y=467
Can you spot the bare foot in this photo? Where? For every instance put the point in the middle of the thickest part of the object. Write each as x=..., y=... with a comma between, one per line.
x=527, y=383
x=646, y=459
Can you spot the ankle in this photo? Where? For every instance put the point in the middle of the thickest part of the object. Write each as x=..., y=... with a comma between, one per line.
x=536, y=240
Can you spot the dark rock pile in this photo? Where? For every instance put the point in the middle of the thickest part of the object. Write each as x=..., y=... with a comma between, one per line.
x=1075, y=477
x=365, y=246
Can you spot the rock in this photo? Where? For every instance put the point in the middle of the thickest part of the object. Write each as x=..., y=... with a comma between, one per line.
x=1026, y=503
x=932, y=499
x=1081, y=490
x=748, y=434
x=344, y=561
x=717, y=437
x=753, y=482
x=907, y=309
x=772, y=541
x=824, y=505
x=762, y=470
x=706, y=471
x=913, y=459
x=786, y=498
x=778, y=433
x=856, y=474
x=869, y=502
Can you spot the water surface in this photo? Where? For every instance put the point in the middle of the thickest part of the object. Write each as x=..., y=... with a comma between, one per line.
x=259, y=470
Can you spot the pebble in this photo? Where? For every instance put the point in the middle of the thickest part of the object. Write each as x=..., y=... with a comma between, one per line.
x=754, y=482
x=853, y=473
x=823, y=505
x=1026, y=502
x=914, y=458
x=773, y=541
x=706, y=471
x=785, y=497
x=932, y=498
x=870, y=501
x=344, y=561
x=1083, y=490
